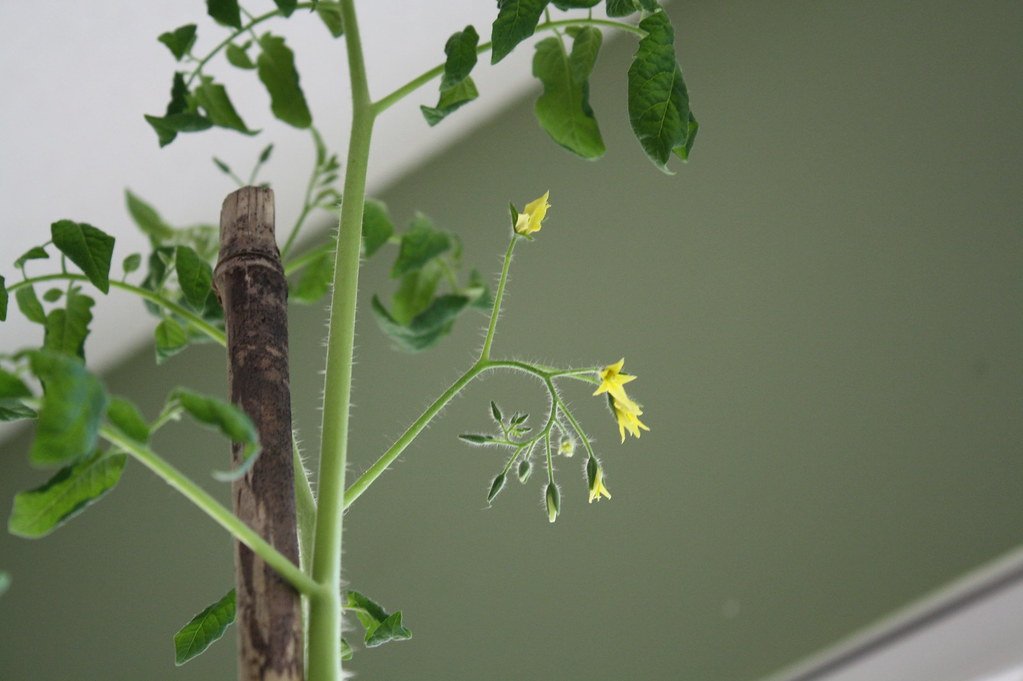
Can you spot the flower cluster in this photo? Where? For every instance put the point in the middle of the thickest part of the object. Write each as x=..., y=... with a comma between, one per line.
x=626, y=411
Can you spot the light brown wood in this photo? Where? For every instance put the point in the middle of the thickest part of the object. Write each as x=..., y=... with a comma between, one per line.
x=250, y=283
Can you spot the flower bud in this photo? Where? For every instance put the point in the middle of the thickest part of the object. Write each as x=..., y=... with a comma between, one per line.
x=595, y=479
x=566, y=447
x=495, y=487
x=525, y=470
x=553, y=502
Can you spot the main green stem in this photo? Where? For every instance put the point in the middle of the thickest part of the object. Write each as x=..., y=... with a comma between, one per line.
x=325, y=609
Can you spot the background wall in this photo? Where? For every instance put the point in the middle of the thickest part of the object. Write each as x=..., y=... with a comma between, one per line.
x=823, y=312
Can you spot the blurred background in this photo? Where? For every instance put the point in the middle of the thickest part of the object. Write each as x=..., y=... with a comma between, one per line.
x=822, y=307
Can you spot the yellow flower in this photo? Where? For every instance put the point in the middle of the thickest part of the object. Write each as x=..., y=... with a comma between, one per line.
x=530, y=220
x=595, y=476
x=626, y=411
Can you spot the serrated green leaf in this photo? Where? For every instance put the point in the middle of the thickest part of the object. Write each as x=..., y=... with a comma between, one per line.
x=621, y=8
x=441, y=312
x=380, y=626
x=127, y=417
x=34, y=253
x=330, y=14
x=286, y=6
x=67, y=329
x=171, y=338
x=315, y=280
x=451, y=100
x=377, y=227
x=12, y=389
x=39, y=512
x=4, y=299
x=415, y=292
x=146, y=218
x=213, y=99
x=204, y=629
x=168, y=127
x=131, y=263
x=86, y=246
x=413, y=338
x=225, y=12
x=237, y=56
x=658, y=99
x=29, y=304
x=564, y=109
x=218, y=414
x=516, y=20
x=460, y=51
x=73, y=405
x=420, y=244
x=179, y=41
x=389, y=630
x=194, y=275
x=276, y=68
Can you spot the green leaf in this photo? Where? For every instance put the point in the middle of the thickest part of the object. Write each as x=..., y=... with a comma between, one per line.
x=426, y=328
x=415, y=292
x=218, y=414
x=212, y=97
x=204, y=629
x=147, y=219
x=237, y=56
x=330, y=14
x=516, y=20
x=621, y=8
x=179, y=41
x=12, y=389
x=420, y=244
x=5, y=584
x=496, y=486
x=315, y=280
x=225, y=12
x=564, y=108
x=14, y=410
x=73, y=404
x=127, y=417
x=461, y=57
x=171, y=338
x=29, y=304
x=450, y=100
x=194, y=275
x=35, y=253
x=286, y=6
x=477, y=439
x=496, y=412
x=4, y=299
x=442, y=311
x=52, y=295
x=264, y=155
x=377, y=227
x=683, y=151
x=86, y=246
x=168, y=127
x=346, y=650
x=131, y=263
x=12, y=386
x=658, y=100
x=479, y=291
x=67, y=329
x=565, y=5
x=380, y=626
x=39, y=512
x=276, y=65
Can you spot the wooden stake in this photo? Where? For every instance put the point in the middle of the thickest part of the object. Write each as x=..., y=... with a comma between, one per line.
x=250, y=283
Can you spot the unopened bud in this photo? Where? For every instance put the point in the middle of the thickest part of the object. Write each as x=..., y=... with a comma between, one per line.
x=566, y=447
x=525, y=470
x=553, y=502
x=495, y=487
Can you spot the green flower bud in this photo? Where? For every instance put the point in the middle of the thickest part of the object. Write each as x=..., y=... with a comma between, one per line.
x=495, y=487
x=553, y=502
x=525, y=470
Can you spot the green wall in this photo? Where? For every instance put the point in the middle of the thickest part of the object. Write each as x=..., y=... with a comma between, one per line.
x=823, y=309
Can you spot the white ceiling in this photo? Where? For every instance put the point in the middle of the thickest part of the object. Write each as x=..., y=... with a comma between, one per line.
x=77, y=77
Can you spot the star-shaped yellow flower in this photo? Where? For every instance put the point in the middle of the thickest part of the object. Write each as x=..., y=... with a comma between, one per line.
x=595, y=476
x=530, y=220
x=626, y=411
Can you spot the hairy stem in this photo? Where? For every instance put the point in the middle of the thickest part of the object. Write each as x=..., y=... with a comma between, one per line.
x=496, y=311
x=325, y=610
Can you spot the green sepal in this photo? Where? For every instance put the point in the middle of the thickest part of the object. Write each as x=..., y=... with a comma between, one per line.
x=179, y=41
x=346, y=650
x=451, y=99
x=276, y=68
x=380, y=627
x=496, y=486
x=29, y=304
x=563, y=110
x=73, y=405
x=377, y=226
x=420, y=244
x=204, y=629
x=171, y=338
x=213, y=99
x=495, y=411
x=147, y=219
x=128, y=419
x=226, y=12
x=658, y=99
x=67, y=329
x=516, y=20
x=39, y=512
x=34, y=253
x=330, y=15
x=195, y=276
x=477, y=439
x=86, y=246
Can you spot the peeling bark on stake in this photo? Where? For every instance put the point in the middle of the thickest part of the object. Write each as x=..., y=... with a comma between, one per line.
x=250, y=282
